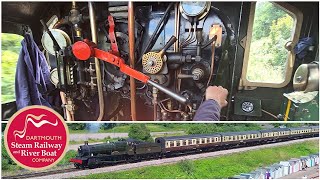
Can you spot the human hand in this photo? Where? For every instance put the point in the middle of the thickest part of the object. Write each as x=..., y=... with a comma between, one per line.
x=219, y=94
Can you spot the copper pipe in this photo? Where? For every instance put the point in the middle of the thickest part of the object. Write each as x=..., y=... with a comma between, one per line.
x=155, y=103
x=131, y=31
x=93, y=27
x=176, y=47
x=68, y=115
x=212, y=62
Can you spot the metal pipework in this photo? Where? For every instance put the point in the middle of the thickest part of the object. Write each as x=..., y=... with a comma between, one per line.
x=170, y=93
x=74, y=5
x=176, y=46
x=157, y=31
x=155, y=93
x=93, y=26
x=131, y=30
x=83, y=50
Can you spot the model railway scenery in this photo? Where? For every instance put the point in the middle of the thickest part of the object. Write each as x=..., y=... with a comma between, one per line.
x=124, y=151
x=131, y=150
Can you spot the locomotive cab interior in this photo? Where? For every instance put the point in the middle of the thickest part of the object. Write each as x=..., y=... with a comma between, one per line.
x=154, y=60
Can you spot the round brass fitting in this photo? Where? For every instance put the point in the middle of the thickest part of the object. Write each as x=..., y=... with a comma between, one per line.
x=152, y=62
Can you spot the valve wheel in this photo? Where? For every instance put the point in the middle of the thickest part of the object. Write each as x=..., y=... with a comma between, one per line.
x=152, y=62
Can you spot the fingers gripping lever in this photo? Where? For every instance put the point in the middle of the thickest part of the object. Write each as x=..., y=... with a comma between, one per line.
x=83, y=50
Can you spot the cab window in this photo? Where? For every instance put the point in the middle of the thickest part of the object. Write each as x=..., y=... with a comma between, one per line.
x=272, y=31
x=10, y=49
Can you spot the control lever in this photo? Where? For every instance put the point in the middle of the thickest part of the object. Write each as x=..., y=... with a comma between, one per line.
x=171, y=41
x=83, y=50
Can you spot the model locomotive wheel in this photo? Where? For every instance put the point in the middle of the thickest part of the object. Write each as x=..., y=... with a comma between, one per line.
x=92, y=163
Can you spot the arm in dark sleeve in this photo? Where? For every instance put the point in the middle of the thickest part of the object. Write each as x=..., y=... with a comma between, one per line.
x=209, y=110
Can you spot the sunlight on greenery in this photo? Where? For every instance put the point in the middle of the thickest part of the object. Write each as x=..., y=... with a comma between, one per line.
x=10, y=49
x=272, y=29
x=221, y=167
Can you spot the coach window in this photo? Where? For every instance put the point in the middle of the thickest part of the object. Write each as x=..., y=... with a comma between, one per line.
x=194, y=141
x=273, y=29
x=172, y=143
x=168, y=143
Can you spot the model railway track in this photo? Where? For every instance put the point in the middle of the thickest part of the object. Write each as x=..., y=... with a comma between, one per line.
x=92, y=156
x=68, y=170
x=169, y=160
x=37, y=174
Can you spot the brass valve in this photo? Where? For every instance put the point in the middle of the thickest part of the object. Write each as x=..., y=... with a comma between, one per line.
x=152, y=62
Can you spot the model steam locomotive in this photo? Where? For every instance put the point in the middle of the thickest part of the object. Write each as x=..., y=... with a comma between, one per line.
x=130, y=150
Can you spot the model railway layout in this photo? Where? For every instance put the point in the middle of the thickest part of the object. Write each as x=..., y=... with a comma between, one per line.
x=130, y=150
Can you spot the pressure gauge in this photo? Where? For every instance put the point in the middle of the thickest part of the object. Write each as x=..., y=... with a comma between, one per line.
x=61, y=37
x=54, y=78
x=194, y=11
x=247, y=106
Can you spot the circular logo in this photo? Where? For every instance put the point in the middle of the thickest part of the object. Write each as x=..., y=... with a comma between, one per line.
x=36, y=137
x=247, y=106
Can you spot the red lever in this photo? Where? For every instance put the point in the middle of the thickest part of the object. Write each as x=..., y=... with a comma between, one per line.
x=83, y=50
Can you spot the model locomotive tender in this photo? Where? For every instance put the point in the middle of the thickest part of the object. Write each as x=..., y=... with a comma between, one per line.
x=130, y=150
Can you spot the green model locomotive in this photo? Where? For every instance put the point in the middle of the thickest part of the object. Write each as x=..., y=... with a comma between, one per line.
x=122, y=150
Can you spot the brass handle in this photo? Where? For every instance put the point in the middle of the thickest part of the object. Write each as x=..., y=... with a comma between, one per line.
x=171, y=41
